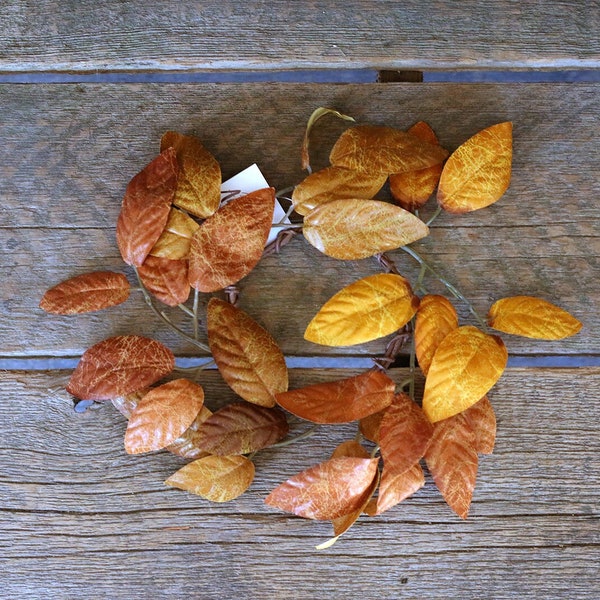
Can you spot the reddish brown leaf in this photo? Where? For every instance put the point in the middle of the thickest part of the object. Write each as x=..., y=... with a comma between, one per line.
x=394, y=488
x=119, y=366
x=340, y=401
x=482, y=421
x=86, y=293
x=369, y=426
x=175, y=240
x=166, y=279
x=350, y=448
x=186, y=445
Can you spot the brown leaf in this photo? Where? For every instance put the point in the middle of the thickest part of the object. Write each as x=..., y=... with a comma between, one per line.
x=365, y=310
x=241, y=428
x=533, y=318
x=186, y=445
x=349, y=229
x=145, y=209
x=478, y=172
x=247, y=356
x=340, y=401
x=328, y=490
x=465, y=366
x=175, y=240
x=350, y=448
x=216, y=478
x=369, y=426
x=482, y=420
x=86, y=293
x=166, y=279
x=395, y=487
x=199, y=184
x=163, y=415
x=119, y=366
x=228, y=245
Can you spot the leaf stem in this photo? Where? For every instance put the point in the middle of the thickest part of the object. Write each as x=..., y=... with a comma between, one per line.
x=298, y=438
x=186, y=310
x=411, y=363
x=434, y=216
x=195, y=314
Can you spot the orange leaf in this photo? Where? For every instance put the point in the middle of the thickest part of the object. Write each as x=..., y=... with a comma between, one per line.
x=86, y=293
x=228, y=245
x=247, y=356
x=328, y=490
x=175, y=240
x=369, y=426
x=199, y=184
x=349, y=229
x=395, y=487
x=216, y=478
x=478, y=172
x=166, y=279
x=163, y=415
x=350, y=448
x=146, y=206
x=365, y=310
x=533, y=318
x=465, y=366
x=186, y=445
x=482, y=420
x=118, y=366
x=436, y=318
x=340, y=401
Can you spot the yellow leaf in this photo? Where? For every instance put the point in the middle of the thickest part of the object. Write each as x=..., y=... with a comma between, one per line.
x=174, y=242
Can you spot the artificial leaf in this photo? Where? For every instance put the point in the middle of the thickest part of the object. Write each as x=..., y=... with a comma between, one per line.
x=241, y=428
x=365, y=310
x=186, y=445
x=334, y=183
x=466, y=365
x=125, y=404
x=118, y=366
x=385, y=150
x=163, y=415
x=199, y=183
x=146, y=206
x=350, y=448
x=86, y=293
x=328, y=490
x=166, y=279
x=354, y=228
x=482, y=420
x=340, y=401
x=477, y=172
x=228, y=245
x=395, y=487
x=216, y=478
x=369, y=426
x=533, y=318
x=436, y=318
x=175, y=240
x=246, y=354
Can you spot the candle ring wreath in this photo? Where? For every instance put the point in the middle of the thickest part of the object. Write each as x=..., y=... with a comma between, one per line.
x=183, y=238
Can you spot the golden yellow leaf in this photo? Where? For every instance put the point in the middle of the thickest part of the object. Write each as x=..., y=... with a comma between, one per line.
x=174, y=242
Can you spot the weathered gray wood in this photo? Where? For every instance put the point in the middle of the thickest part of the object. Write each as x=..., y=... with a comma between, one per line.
x=68, y=152
x=91, y=36
x=79, y=518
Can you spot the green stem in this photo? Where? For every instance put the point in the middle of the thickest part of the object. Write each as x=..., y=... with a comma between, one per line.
x=197, y=368
x=411, y=364
x=375, y=451
x=186, y=310
x=195, y=314
x=298, y=438
x=434, y=216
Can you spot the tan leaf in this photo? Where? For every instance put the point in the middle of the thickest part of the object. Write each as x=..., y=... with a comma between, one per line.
x=436, y=318
x=365, y=310
x=334, y=183
x=384, y=150
x=86, y=293
x=175, y=240
x=166, y=279
x=482, y=420
x=352, y=228
x=328, y=490
x=199, y=184
x=228, y=245
x=395, y=487
x=163, y=415
x=465, y=366
x=119, y=366
x=125, y=404
x=247, y=356
x=340, y=401
x=533, y=318
x=478, y=172
x=369, y=426
x=216, y=478
x=146, y=206
x=350, y=448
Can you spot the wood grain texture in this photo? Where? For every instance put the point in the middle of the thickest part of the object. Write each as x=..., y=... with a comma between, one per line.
x=90, y=36
x=68, y=152
x=80, y=518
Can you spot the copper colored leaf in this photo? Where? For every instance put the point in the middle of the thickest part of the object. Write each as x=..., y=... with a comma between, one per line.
x=352, y=228
x=365, y=310
x=247, y=356
x=241, y=428
x=199, y=184
x=186, y=445
x=228, y=245
x=395, y=487
x=482, y=421
x=175, y=240
x=384, y=150
x=328, y=490
x=163, y=415
x=166, y=279
x=146, y=206
x=369, y=426
x=340, y=401
x=533, y=318
x=216, y=478
x=436, y=318
x=478, y=172
x=350, y=448
x=118, y=366
x=465, y=366
x=86, y=293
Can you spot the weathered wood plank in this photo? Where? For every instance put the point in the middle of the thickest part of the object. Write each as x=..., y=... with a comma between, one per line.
x=79, y=517
x=91, y=36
